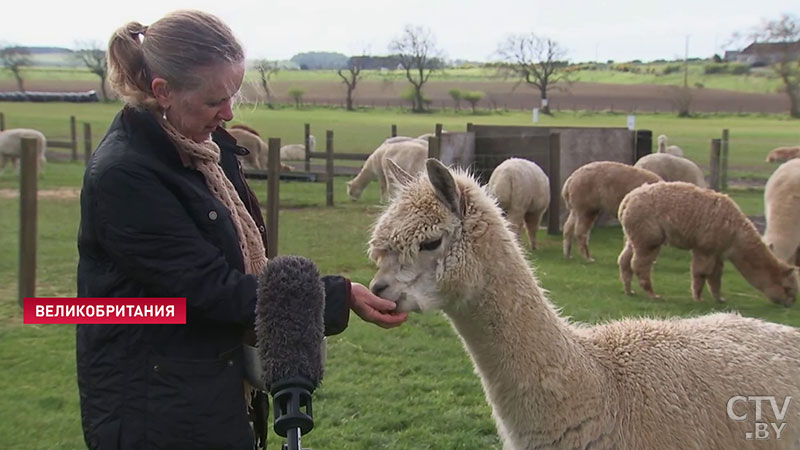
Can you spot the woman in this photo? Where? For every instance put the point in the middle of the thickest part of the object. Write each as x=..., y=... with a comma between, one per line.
x=165, y=212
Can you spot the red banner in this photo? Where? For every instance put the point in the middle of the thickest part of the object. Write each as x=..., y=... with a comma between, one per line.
x=41, y=310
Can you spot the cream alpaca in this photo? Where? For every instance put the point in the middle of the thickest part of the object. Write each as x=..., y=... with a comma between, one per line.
x=523, y=191
x=259, y=152
x=409, y=154
x=593, y=188
x=664, y=147
x=672, y=168
x=782, y=208
x=11, y=147
x=709, y=224
x=783, y=154
x=627, y=385
x=297, y=152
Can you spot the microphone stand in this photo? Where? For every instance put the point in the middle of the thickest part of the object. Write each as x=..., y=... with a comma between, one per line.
x=290, y=396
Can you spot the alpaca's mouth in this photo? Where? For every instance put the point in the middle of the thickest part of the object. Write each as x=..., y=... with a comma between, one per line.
x=406, y=305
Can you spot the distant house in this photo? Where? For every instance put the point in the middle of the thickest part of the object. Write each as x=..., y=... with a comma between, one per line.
x=731, y=55
x=765, y=53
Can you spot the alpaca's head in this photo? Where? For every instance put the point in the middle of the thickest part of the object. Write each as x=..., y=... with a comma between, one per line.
x=312, y=142
x=430, y=242
x=662, y=143
x=354, y=190
x=782, y=286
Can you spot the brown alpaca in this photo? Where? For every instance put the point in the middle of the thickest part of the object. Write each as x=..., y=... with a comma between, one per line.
x=245, y=127
x=593, y=188
x=709, y=224
x=249, y=139
x=783, y=154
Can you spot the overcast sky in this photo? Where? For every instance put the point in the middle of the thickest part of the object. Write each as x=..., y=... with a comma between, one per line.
x=597, y=30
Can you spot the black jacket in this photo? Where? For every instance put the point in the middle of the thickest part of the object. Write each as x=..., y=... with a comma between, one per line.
x=151, y=228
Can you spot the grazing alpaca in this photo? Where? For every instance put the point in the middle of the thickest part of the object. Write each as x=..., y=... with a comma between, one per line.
x=522, y=190
x=634, y=384
x=709, y=224
x=664, y=147
x=594, y=188
x=297, y=152
x=672, y=168
x=259, y=152
x=783, y=154
x=11, y=147
x=782, y=210
x=409, y=154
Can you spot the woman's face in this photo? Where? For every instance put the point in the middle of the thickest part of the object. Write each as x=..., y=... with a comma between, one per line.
x=198, y=112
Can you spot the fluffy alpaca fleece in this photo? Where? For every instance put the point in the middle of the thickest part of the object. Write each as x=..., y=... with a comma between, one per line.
x=782, y=209
x=11, y=147
x=523, y=191
x=595, y=187
x=408, y=154
x=664, y=147
x=709, y=224
x=634, y=384
x=783, y=154
x=672, y=168
x=259, y=152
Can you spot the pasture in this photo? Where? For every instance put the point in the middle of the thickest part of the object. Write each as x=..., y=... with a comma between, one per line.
x=412, y=387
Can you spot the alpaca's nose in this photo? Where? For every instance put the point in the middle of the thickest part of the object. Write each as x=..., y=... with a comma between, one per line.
x=379, y=287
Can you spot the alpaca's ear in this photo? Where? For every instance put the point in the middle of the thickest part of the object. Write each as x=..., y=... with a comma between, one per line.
x=395, y=175
x=444, y=185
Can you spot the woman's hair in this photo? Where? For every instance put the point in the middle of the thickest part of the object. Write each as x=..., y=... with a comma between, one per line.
x=173, y=48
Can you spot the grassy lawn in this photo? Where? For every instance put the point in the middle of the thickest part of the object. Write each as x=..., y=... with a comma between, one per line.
x=408, y=388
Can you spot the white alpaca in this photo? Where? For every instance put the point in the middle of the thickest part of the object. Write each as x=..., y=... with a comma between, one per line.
x=672, y=168
x=664, y=147
x=408, y=154
x=627, y=385
x=11, y=147
x=782, y=210
x=522, y=190
x=297, y=152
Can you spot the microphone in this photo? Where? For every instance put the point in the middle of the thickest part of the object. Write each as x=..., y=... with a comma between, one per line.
x=289, y=332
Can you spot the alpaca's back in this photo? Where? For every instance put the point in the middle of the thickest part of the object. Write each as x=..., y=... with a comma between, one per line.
x=683, y=374
x=684, y=216
x=672, y=168
x=409, y=155
x=601, y=185
x=782, y=154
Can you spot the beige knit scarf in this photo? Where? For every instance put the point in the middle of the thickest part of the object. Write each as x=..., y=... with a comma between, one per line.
x=205, y=158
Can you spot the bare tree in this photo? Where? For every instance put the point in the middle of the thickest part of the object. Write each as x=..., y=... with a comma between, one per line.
x=784, y=34
x=535, y=60
x=266, y=70
x=351, y=78
x=419, y=57
x=94, y=57
x=14, y=58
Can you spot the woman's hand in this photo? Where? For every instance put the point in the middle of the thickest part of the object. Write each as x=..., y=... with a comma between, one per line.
x=371, y=308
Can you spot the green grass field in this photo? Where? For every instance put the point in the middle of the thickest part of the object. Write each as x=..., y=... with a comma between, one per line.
x=408, y=388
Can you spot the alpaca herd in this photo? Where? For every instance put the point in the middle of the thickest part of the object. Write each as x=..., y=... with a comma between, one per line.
x=442, y=243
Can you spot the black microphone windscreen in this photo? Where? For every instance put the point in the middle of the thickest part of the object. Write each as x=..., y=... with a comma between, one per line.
x=289, y=319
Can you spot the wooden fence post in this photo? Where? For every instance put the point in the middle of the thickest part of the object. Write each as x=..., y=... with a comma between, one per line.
x=73, y=133
x=329, y=167
x=273, y=194
x=87, y=142
x=28, y=220
x=434, y=147
x=307, y=131
x=714, y=163
x=2, y=121
x=394, y=130
x=438, y=130
x=554, y=173
x=469, y=126
x=724, y=159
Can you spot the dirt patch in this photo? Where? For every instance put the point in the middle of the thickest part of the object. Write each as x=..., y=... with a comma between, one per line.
x=60, y=193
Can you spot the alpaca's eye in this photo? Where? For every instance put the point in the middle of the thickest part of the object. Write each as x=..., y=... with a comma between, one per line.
x=430, y=245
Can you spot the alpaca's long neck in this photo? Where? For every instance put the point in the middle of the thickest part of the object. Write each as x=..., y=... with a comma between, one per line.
x=365, y=175
x=531, y=362
x=753, y=259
